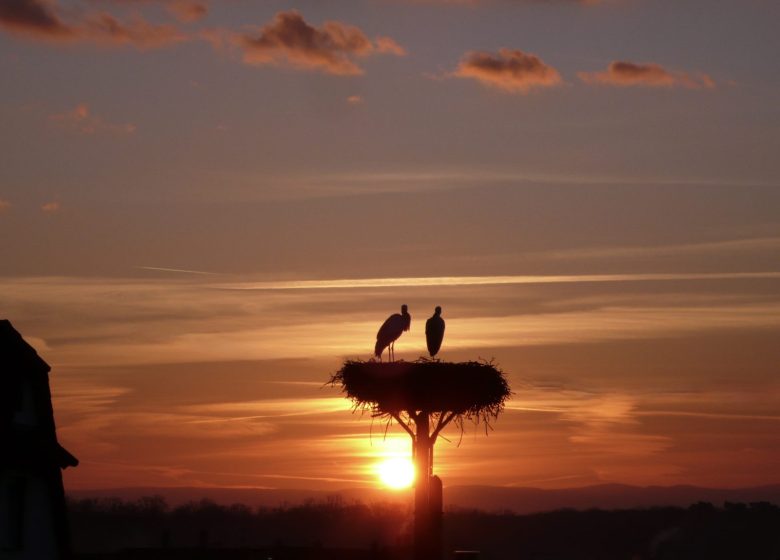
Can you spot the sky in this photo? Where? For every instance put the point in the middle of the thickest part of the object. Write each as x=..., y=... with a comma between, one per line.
x=207, y=206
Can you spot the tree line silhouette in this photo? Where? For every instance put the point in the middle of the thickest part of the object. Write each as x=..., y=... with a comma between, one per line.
x=149, y=528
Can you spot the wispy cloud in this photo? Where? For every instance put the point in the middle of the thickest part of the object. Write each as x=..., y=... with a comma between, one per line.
x=610, y=323
x=576, y=405
x=713, y=415
x=488, y=280
x=388, y=45
x=185, y=319
x=210, y=326
x=325, y=183
x=252, y=414
x=595, y=419
x=80, y=119
x=104, y=28
x=273, y=408
x=509, y=70
x=628, y=74
x=51, y=207
x=683, y=249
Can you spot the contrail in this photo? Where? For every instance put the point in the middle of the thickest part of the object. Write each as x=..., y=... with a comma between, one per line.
x=489, y=280
x=177, y=270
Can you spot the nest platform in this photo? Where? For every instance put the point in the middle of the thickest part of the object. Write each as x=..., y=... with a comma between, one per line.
x=475, y=390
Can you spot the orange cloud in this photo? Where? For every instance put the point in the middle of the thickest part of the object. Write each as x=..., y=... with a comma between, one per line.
x=81, y=120
x=187, y=11
x=289, y=39
x=105, y=28
x=386, y=45
x=51, y=207
x=626, y=74
x=509, y=70
x=38, y=19
x=33, y=17
x=354, y=100
x=4, y=205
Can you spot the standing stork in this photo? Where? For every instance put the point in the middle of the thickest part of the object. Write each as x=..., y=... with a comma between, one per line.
x=391, y=329
x=434, y=332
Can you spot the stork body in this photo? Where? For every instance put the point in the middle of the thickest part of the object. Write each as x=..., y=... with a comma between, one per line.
x=434, y=332
x=391, y=329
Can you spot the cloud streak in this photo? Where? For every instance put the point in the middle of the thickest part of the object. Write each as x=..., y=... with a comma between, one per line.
x=508, y=70
x=631, y=74
x=567, y=404
x=272, y=408
x=489, y=280
x=284, y=333
x=758, y=244
x=288, y=40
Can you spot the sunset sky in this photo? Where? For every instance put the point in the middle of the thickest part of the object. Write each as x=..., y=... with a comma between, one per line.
x=206, y=206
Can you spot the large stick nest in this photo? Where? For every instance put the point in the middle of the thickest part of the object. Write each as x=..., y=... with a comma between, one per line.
x=474, y=390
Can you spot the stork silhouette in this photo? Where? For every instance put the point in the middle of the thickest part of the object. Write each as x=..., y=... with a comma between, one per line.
x=391, y=329
x=434, y=332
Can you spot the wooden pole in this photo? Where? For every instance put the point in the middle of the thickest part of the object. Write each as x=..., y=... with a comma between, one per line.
x=422, y=511
x=436, y=505
x=421, y=506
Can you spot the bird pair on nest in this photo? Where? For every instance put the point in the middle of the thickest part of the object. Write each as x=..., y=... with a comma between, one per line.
x=398, y=323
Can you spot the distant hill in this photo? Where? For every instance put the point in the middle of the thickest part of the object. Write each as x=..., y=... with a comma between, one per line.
x=487, y=498
x=605, y=496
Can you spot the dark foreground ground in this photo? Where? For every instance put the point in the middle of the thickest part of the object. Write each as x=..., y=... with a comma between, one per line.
x=148, y=529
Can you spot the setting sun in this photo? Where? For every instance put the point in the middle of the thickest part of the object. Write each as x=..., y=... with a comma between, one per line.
x=396, y=472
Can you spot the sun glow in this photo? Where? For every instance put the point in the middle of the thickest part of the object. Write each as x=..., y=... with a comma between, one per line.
x=396, y=472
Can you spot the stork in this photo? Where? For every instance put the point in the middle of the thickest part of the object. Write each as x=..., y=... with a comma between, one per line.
x=391, y=329
x=434, y=332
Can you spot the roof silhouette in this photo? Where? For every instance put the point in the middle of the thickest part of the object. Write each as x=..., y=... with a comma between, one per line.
x=16, y=353
x=26, y=446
